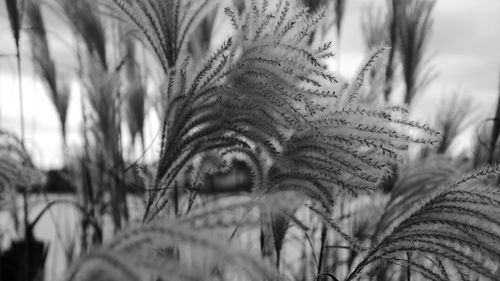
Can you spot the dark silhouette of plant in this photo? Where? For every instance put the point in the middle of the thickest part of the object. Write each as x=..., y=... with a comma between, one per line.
x=135, y=95
x=84, y=19
x=104, y=165
x=24, y=260
x=393, y=21
x=17, y=264
x=375, y=27
x=58, y=88
x=15, y=10
x=495, y=131
x=414, y=23
x=405, y=28
x=453, y=119
x=103, y=97
x=339, y=6
x=486, y=143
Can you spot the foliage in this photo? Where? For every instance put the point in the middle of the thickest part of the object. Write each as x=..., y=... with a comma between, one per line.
x=85, y=20
x=102, y=168
x=15, y=13
x=143, y=252
x=333, y=17
x=486, y=142
x=405, y=28
x=265, y=97
x=495, y=131
x=339, y=14
x=57, y=87
x=413, y=29
x=454, y=227
x=166, y=24
x=16, y=170
x=135, y=95
x=204, y=112
x=416, y=181
x=259, y=139
x=452, y=120
x=374, y=27
x=380, y=28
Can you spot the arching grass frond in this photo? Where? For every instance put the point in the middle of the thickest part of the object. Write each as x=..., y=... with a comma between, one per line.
x=106, y=265
x=456, y=223
x=85, y=19
x=265, y=86
x=57, y=87
x=414, y=24
x=16, y=169
x=243, y=213
x=454, y=119
x=374, y=24
x=143, y=251
x=415, y=182
x=167, y=25
x=135, y=93
x=350, y=150
x=12, y=145
x=254, y=91
x=15, y=10
x=102, y=88
x=351, y=94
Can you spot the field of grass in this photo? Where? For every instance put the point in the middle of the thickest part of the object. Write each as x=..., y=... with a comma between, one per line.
x=265, y=163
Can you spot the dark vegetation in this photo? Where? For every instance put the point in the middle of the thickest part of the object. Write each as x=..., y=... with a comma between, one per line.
x=270, y=166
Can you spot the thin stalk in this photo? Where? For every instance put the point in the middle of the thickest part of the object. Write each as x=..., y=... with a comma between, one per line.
x=304, y=259
x=20, y=87
x=390, y=60
x=338, y=53
x=408, y=269
x=121, y=170
x=339, y=17
x=322, y=248
x=87, y=192
x=495, y=130
x=15, y=14
x=67, y=202
x=176, y=200
x=27, y=235
x=329, y=275
x=119, y=153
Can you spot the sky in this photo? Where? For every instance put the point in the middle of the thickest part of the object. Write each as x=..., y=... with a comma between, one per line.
x=464, y=49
